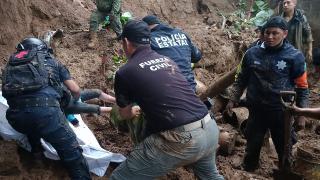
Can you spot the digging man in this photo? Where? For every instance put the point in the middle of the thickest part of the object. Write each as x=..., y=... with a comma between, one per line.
x=179, y=131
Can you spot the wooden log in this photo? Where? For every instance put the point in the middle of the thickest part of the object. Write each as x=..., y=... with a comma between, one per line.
x=227, y=140
x=238, y=118
x=220, y=85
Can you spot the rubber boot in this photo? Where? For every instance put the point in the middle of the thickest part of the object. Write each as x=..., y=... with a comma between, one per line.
x=93, y=40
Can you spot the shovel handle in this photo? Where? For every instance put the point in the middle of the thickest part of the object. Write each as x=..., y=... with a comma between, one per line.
x=291, y=100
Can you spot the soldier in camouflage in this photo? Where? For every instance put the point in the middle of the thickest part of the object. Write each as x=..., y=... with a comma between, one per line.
x=111, y=8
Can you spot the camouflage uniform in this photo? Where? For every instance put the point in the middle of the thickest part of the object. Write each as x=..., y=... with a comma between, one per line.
x=105, y=8
x=299, y=31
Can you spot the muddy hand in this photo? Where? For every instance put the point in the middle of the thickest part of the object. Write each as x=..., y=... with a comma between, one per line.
x=135, y=110
x=229, y=107
x=291, y=108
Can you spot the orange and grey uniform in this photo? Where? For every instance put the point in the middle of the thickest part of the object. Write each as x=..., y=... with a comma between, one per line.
x=106, y=8
x=265, y=72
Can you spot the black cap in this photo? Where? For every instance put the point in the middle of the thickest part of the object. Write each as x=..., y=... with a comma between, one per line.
x=278, y=22
x=151, y=20
x=136, y=31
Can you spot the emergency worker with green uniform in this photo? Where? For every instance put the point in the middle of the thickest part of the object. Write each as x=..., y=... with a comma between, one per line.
x=111, y=8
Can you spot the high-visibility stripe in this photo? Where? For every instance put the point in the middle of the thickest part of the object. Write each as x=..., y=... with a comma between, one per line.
x=302, y=82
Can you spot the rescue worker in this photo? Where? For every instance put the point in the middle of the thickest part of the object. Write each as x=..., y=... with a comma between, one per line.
x=111, y=8
x=37, y=114
x=178, y=131
x=300, y=36
x=176, y=45
x=266, y=70
x=299, y=31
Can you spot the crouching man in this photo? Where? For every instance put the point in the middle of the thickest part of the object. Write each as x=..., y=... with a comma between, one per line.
x=178, y=130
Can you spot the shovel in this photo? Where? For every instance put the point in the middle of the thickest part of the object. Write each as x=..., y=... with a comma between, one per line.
x=288, y=98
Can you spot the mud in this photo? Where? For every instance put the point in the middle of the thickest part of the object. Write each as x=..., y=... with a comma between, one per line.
x=95, y=68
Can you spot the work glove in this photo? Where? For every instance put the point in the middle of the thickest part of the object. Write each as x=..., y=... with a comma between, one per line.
x=73, y=120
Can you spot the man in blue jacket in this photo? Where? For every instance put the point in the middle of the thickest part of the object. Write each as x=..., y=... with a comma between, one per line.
x=265, y=70
x=176, y=45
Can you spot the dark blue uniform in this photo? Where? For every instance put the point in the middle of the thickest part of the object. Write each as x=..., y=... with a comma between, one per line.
x=154, y=82
x=38, y=115
x=176, y=45
x=265, y=72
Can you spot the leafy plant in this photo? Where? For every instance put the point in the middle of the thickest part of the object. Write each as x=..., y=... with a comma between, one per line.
x=238, y=20
x=118, y=59
x=261, y=12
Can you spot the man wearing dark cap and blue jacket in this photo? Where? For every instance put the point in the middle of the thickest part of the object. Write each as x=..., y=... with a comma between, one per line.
x=178, y=129
x=265, y=70
x=175, y=44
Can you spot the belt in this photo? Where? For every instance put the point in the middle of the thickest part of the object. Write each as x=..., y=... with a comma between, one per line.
x=195, y=125
x=34, y=102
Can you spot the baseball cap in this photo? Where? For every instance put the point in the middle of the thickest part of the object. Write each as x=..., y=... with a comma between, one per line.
x=151, y=20
x=136, y=31
x=278, y=22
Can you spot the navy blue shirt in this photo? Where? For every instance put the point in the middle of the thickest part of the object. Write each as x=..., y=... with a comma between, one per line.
x=59, y=72
x=176, y=45
x=156, y=84
x=265, y=72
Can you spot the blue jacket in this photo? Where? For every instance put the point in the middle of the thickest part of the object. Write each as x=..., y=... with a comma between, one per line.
x=265, y=72
x=176, y=45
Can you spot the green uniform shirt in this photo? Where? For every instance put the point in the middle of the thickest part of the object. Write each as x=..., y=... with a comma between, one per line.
x=112, y=6
x=299, y=31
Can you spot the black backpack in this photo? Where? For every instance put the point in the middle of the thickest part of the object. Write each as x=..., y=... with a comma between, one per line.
x=24, y=75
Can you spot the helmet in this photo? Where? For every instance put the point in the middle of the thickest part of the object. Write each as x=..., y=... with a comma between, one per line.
x=32, y=44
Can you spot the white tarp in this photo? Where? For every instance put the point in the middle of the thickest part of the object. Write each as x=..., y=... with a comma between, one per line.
x=98, y=158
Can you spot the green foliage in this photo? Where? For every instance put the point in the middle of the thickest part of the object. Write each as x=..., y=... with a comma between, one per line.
x=261, y=18
x=261, y=12
x=125, y=17
x=119, y=59
x=239, y=20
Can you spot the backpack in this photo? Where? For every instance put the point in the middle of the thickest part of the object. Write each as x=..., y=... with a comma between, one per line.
x=26, y=74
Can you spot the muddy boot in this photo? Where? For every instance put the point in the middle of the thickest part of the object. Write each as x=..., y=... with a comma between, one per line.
x=93, y=40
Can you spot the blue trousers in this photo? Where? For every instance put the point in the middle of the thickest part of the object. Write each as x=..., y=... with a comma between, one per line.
x=260, y=120
x=163, y=152
x=50, y=124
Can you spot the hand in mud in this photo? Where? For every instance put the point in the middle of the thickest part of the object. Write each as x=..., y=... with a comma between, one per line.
x=292, y=108
x=135, y=110
x=229, y=107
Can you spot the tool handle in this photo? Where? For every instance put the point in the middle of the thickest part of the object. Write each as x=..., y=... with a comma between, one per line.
x=291, y=100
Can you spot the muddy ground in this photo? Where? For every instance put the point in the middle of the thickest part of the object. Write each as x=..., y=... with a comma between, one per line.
x=94, y=69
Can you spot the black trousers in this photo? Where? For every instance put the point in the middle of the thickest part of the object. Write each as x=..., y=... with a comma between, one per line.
x=260, y=120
